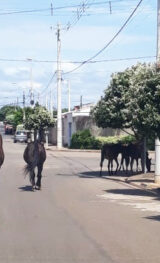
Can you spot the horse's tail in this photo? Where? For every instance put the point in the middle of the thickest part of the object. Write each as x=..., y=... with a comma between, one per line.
x=29, y=168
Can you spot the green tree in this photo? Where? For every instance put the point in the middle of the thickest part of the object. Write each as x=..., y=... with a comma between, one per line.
x=39, y=120
x=6, y=110
x=18, y=117
x=132, y=100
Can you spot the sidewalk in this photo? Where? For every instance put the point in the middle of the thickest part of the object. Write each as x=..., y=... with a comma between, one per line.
x=64, y=149
x=142, y=181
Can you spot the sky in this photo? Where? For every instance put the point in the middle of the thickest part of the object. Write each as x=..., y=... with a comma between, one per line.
x=28, y=46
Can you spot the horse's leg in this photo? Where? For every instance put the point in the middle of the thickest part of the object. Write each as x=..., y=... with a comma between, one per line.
x=112, y=166
x=39, y=176
x=32, y=178
x=127, y=164
x=137, y=164
x=117, y=165
x=102, y=160
x=109, y=163
x=101, y=165
x=132, y=160
x=121, y=164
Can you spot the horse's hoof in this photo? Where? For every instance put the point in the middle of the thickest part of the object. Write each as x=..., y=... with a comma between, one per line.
x=38, y=187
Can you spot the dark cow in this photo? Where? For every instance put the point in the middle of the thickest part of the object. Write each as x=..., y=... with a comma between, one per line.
x=1, y=151
x=110, y=152
x=35, y=156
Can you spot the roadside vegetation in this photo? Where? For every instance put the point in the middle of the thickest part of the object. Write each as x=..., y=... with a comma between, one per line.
x=37, y=118
x=132, y=101
x=84, y=140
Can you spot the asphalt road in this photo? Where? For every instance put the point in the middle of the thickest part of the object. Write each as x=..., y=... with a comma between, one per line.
x=77, y=217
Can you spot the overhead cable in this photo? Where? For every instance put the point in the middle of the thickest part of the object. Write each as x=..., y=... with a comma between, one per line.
x=74, y=62
x=55, y=8
x=49, y=83
x=101, y=50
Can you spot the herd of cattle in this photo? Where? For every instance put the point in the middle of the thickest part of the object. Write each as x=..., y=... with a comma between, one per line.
x=129, y=153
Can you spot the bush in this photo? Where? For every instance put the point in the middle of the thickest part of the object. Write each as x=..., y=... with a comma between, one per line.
x=124, y=139
x=84, y=140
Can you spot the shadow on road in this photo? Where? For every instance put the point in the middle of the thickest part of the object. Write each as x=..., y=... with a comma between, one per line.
x=136, y=192
x=105, y=173
x=27, y=188
x=156, y=218
x=90, y=174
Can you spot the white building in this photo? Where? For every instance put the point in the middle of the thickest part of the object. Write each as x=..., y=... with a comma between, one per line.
x=77, y=120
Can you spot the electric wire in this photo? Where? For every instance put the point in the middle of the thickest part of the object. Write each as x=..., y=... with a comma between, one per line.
x=55, y=8
x=75, y=62
x=49, y=83
x=100, y=51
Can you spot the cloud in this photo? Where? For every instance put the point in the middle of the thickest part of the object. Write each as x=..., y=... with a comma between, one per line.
x=26, y=85
x=12, y=71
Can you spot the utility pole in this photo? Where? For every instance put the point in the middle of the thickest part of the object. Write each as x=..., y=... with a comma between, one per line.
x=24, y=102
x=51, y=103
x=17, y=102
x=38, y=98
x=157, y=141
x=59, y=79
x=46, y=102
x=81, y=103
x=69, y=96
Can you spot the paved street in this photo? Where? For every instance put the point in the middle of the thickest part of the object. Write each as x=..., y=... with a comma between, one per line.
x=77, y=217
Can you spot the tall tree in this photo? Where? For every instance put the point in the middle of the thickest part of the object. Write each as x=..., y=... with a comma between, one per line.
x=132, y=100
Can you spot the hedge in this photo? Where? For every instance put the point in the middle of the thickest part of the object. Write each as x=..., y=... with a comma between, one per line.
x=84, y=140
x=124, y=139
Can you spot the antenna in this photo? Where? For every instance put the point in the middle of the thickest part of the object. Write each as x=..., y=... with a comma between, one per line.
x=110, y=7
x=51, y=9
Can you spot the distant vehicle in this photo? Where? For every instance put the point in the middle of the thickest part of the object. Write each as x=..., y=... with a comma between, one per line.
x=8, y=129
x=20, y=136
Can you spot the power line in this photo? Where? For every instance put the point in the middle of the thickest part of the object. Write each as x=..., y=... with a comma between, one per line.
x=99, y=52
x=74, y=62
x=49, y=83
x=57, y=8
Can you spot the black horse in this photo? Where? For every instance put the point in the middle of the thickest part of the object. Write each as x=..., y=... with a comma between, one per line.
x=35, y=156
x=110, y=152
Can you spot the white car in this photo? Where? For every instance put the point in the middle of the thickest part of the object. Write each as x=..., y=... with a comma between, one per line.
x=20, y=136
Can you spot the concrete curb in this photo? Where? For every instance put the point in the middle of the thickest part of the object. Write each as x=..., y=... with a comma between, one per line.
x=71, y=150
x=144, y=187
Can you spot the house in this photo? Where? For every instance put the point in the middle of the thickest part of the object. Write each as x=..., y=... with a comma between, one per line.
x=77, y=120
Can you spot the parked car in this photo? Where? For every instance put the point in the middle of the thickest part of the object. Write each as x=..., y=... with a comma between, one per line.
x=20, y=136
